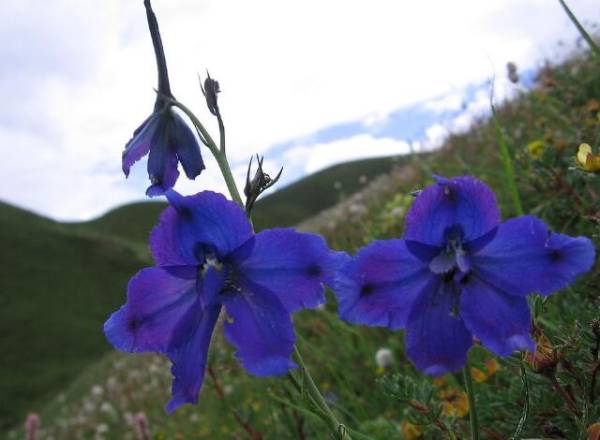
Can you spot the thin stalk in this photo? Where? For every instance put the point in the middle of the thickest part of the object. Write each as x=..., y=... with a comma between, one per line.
x=221, y=132
x=221, y=157
x=581, y=29
x=219, y=154
x=525, y=413
x=472, y=410
x=319, y=400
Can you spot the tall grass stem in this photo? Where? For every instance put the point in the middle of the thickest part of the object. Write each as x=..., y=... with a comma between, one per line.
x=473, y=422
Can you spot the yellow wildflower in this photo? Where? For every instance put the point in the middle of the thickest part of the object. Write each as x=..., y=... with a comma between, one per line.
x=409, y=430
x=478, y=375
x=455, y=404
x=536, y=148
x=439, y=382
x=587, y=160
x=492, y=366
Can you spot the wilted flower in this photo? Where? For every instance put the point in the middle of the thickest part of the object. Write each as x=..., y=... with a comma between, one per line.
x=457, y=274
x=587, y=160
x=164, y=134
x=544, y=358
x=384, y=357
x=207, y=258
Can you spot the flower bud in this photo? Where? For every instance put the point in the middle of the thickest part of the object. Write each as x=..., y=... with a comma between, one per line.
x=384, y=357
x=210, y=91
x=258, y=184
x=513, y=75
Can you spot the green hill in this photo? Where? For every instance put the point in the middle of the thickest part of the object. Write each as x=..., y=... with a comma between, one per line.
x=59, y=282
x=287, y=206
x=56, y=290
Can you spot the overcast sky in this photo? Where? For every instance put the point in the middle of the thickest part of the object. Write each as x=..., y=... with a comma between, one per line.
x=306, y=83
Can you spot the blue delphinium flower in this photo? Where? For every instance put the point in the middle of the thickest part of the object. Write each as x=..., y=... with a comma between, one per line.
x=207, y=257
x=164, y=134
x=459, y=273
x=169, y=140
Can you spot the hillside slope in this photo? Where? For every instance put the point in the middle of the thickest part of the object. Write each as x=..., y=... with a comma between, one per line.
x=287, y=206
x=56, y=290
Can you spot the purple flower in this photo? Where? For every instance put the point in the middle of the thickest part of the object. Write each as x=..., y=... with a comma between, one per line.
x=207, y=257
x=459, y=273
x=164, y=134
x=169, y=140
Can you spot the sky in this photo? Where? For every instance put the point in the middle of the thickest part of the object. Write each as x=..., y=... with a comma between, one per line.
x=308, y=84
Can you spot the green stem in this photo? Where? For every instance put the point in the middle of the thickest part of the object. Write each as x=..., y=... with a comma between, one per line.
x=319, y=400
x=219, y=154
x=221, y=157
x=581, y=29
x=472, y=410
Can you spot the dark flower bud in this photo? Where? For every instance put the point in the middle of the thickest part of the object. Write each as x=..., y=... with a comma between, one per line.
x=546, y=356
x=210, y=91
x=258, y=184
x=513, y=74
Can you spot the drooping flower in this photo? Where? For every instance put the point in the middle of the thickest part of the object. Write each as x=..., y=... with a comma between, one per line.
x=168, y=140
x=208, y=258
x=459, y=273
x=164, y=135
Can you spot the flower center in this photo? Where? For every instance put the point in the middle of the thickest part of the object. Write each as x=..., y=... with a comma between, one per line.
x=453, y=256
x=210, y=261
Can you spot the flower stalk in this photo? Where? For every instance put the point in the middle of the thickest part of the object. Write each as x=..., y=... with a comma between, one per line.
x=319, y=400
x=218, y=153
x=473, y=422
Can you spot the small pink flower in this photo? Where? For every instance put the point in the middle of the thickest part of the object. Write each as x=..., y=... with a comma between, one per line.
x=32, y=424
x=140, y=422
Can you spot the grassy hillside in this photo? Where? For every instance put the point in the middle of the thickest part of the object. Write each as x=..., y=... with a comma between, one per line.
x=59, y=282
x=56, y=289
x=379, y=402
x=286, y=207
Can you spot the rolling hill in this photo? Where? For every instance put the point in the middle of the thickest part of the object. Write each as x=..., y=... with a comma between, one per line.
x=60, y=281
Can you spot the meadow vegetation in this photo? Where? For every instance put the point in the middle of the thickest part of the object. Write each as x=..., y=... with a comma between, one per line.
x=553, y=393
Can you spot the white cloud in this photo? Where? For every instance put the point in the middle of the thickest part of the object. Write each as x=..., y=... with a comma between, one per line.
x=319, y=156
x=80, y=76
